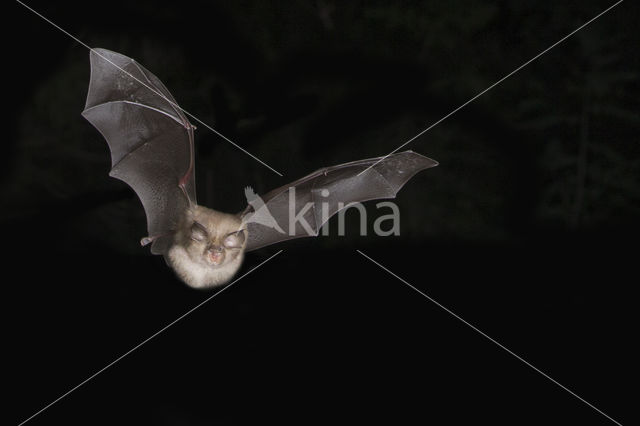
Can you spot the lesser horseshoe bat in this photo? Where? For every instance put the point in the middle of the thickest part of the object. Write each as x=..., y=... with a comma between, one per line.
x=151, y=142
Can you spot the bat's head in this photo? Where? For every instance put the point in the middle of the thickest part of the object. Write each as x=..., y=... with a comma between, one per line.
x=214, y=238
x=208, y=247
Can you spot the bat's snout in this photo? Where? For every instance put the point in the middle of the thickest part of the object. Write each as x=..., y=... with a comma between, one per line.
x=215, y=255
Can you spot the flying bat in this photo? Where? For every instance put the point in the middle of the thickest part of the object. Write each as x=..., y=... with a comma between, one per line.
x=152, y=150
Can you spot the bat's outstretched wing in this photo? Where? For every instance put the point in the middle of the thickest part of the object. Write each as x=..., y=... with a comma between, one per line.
x=150, y=139
x=300, y=208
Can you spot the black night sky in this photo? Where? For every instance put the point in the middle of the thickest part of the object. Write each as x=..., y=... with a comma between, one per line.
x=527, y=229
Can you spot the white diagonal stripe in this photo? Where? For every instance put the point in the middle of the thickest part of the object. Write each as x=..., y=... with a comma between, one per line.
x=492, y=339
x=145, y=341
x=495, y=84
x=150, y=88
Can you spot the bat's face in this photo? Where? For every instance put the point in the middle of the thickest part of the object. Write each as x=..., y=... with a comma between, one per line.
x=215, y=238
x=209, y=247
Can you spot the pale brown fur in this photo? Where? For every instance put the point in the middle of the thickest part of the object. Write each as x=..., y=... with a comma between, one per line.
x=189, y=257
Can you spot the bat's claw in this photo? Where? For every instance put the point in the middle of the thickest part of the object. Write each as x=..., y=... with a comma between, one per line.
x=249, y=193
x=148, y=240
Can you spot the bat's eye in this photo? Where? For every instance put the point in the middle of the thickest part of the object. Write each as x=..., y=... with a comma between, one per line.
x=234, y=240
x=198, y=232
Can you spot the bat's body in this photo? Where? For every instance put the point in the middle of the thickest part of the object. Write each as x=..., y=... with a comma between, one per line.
x=151, y=143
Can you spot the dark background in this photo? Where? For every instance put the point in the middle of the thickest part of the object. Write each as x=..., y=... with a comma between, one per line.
x=528, y=228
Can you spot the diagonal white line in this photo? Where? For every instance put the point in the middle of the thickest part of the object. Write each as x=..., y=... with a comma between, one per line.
x=495, y=84
x=149, y=87
x=146, y=340
x=491, y=339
